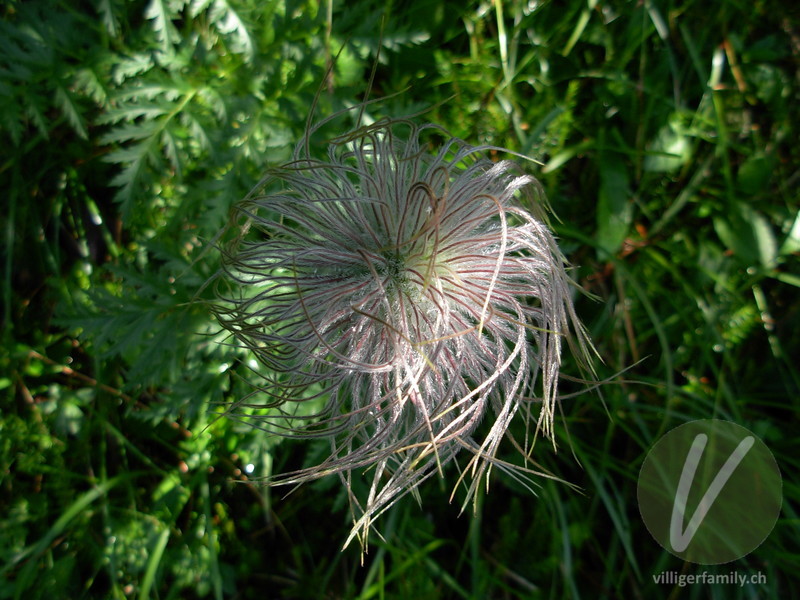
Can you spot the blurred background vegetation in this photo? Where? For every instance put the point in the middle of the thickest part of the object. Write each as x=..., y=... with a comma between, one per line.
x=667, y=133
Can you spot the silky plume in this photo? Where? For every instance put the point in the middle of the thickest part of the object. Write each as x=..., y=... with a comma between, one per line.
x=414, y=290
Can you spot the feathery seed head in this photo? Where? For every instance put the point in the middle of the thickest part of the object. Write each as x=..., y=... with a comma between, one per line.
x=416, y=290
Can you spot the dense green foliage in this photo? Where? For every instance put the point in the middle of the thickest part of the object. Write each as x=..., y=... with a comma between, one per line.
x=667, y=135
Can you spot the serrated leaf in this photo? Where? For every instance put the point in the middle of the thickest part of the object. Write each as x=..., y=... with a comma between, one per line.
x=37, y=118
x=18, y=72
x=108, y=16
x=18, y=46
x=129, y=131
x=10, y=121
x=158, y=11
x=228, y=22
x=132, y=112
x=215, y=102
x=131, y=153
x=90, y=83
x=66, y=103
x=170, y=90
x=198, y=133
x=198, y=6
x=132, y=66
x=171, y=150
x=132, y=179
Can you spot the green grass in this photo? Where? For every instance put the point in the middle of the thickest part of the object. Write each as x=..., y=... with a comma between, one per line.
x=666, y=134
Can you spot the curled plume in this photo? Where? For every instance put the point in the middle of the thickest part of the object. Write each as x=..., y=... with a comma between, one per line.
x=414, y=291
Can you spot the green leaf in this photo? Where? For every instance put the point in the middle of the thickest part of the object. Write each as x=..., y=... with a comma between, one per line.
x=792, y=242
x=788, y=278
x=128, y=132
x=152, y=564
x=614, y=209
x=158, y=11
x=748, y=234
x=133, y=178
x=171, y=149
x=228, y=22
x=559, y=159
x=754, y=174
x=108, y=10
x=668, y=152
x=93, y=84
x=132, y=65
x=36, y=115
x=66, y=103
x=129, y=154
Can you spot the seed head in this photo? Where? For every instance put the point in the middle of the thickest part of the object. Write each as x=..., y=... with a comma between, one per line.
x=417, y=289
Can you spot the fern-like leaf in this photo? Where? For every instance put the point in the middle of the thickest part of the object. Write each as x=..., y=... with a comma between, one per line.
x=108, y=16
x=229, y=23
x=66, y=102
x=161, y=13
